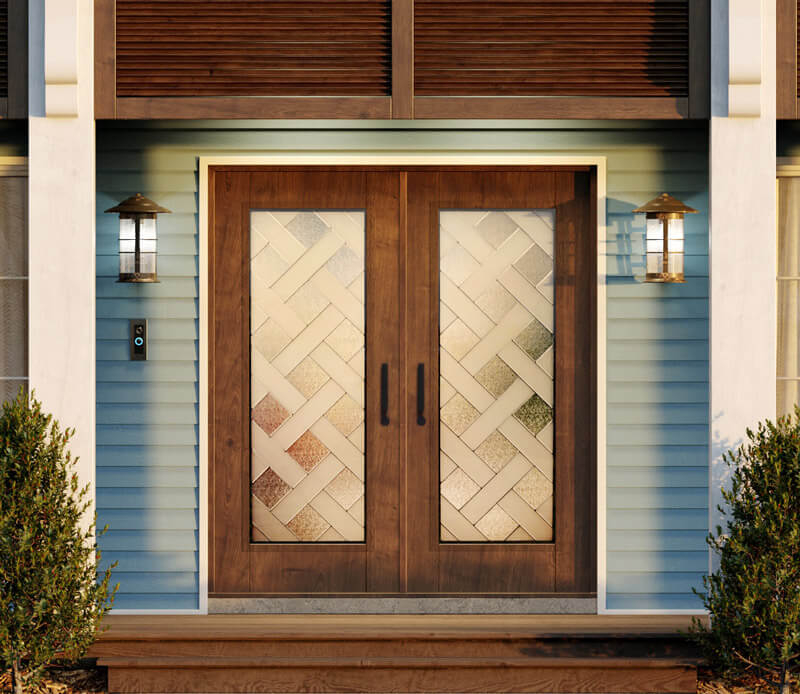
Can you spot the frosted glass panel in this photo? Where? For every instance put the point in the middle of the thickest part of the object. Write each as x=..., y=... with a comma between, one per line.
x=496, y=362
x=10, y=387
x=788, y=396
x=307, y=376
x=13, y=328
x=788, y=357
x=13, y=227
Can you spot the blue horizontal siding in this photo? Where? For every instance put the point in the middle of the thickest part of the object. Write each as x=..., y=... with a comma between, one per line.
x=148, y=498
x=654, y=601
x=155, y=601
x=152, y=414
x=657, y=368
x=110, y=477
x=144, y=519
x=655, y=540
x=146, y=455
x=655, y=477
x=657, y=413
x=173, y=329
x=657, y=518
x=147, y=562
x=175, y=541
x=655, y=498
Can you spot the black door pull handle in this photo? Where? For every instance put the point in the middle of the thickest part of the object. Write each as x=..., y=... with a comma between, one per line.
x=384, y=395
x=421, y=394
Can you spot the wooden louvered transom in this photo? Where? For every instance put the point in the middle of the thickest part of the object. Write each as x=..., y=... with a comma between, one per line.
x=253, y=47
x=632, y=48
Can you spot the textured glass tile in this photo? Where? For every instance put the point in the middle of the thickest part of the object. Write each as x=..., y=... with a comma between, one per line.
x=308, y=525
x=534, y=488
x=345, y=415
x=308, y=450
x=269, y=414
x=308, y=377
x=270, y=339
x=496, y=227
x=308, y=302
x=458, y=339
x=345, y=265
x=458, y=414
x=535, y=339
x=496, y=525
x=302, y=450
x=496, y=302
x=458, y=264
x=268, y=266
x=534, y=265
x=535, y=414
x=269, y=488
x=346, y=340
x=345, y=489
x=458, y=488
x=491, y=255
x=307, y=228
x=496, y=450
x=496, y=376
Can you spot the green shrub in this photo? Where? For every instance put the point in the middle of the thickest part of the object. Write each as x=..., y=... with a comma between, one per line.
x=754, y=597
x=51, y=601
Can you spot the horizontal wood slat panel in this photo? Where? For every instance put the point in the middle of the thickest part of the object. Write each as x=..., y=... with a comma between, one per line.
x=638, y=48
x=212, y=48
x=4, y=49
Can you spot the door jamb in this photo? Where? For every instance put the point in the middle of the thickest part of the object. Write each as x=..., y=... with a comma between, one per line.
x=390, y=159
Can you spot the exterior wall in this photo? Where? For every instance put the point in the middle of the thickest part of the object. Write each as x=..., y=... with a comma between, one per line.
x=657, y=368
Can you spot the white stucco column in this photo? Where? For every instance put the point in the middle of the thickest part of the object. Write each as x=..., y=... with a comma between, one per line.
x=62, y=215
x=742, y=217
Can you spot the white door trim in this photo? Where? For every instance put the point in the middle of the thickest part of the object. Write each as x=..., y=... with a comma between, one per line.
x=394, y=159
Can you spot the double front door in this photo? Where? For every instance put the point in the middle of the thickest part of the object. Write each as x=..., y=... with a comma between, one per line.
x=402, y=380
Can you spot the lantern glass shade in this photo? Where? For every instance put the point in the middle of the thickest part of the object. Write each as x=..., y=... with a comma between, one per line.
x=138, y=239
x=137, y=256
x=664, y=238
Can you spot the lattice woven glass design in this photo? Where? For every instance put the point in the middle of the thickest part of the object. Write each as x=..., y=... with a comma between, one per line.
x=496, y=361
x=307, y=376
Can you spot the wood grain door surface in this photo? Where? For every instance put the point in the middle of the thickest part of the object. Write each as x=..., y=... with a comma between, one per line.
x=403, y=551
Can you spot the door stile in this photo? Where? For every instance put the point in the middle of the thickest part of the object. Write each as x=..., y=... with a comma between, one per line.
x=230, y=563
x=384, y=339
x=576, y=383
x=422, y=297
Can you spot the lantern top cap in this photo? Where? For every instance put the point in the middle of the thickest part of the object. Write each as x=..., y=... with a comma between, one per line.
x=138, y=203
x=666, y=204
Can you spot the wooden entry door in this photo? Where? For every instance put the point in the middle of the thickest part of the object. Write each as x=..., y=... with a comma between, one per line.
x=343, y=458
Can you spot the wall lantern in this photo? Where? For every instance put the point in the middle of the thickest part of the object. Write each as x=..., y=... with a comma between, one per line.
x=137, y=238
x=664, y=243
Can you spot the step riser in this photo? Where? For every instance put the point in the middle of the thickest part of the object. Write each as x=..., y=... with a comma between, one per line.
x=366, y=648
x=359, y=679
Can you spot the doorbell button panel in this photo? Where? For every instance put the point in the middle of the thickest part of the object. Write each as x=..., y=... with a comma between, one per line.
x=138, y=339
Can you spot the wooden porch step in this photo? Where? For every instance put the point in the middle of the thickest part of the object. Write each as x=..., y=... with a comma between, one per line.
x=396, y=653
